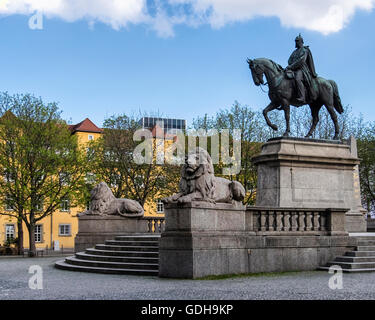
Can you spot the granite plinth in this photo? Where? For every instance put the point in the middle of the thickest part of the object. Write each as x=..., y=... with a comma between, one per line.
x=305, y=173
x=203, y=239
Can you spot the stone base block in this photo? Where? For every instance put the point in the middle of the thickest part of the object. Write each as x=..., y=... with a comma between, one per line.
x=198, y=255
x=94, y=230
x=203, y=239
x=306, y=173
x=355, y=222
x=204, y=216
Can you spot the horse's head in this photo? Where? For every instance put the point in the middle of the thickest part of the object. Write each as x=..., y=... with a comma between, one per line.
x=257, y=71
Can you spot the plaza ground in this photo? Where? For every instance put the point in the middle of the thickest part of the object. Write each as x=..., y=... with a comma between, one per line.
x=60, y=284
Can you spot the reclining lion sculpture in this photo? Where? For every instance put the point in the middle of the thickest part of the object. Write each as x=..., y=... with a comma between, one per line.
x=103, y=202
x=198, y=182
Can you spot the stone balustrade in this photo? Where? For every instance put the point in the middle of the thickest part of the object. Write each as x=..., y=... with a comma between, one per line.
x=298, y=221
x=155, y=224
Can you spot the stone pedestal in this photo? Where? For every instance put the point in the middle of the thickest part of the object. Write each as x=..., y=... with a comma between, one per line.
x=201, y=239
x=95, y=229
x=306, y=173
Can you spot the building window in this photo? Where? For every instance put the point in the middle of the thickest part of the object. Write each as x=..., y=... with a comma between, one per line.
x=64, y=230
x=9, y=204
x=160, y=206
x=64, y=178
x=38, y=233
x=91, y=137
x=10, y=148
x=9, y=176
x=39, y=206
x=65, y=205
x=9, y=232
x=90, y=178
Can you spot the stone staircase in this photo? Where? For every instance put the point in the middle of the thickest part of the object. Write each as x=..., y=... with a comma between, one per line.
x=131, y=254
x=361, y=259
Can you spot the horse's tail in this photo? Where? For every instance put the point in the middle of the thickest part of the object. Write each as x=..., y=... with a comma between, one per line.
x=336, y=97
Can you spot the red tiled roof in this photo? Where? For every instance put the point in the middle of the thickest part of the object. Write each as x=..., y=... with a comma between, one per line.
x=85, y=126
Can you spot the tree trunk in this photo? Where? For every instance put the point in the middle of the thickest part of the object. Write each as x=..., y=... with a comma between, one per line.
x=32, y=247
x=20, y=236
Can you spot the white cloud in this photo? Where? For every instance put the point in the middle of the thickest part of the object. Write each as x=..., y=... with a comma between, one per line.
x=116, y=13
x=325, y=16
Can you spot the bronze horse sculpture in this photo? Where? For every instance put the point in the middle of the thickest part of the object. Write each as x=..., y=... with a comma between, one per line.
x=282, y=94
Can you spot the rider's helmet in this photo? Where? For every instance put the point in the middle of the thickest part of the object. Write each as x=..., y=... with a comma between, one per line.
x=299, y=38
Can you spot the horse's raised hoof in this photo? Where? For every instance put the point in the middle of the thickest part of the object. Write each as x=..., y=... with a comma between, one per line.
x=275, y=128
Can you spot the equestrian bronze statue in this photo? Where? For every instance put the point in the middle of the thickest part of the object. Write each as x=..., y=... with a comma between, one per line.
x=297, y=85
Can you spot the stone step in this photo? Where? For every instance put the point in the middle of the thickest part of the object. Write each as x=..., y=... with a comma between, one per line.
x=366, y=242
x=132, y=243
x=353, y=265
x=138, y=238
x=351, y=270
x=70, y=267
x=355, y=259
x=360, y=253
x=135, y=259
x=112, y=265
x=118, y=253
x=365, y=248
x=127, y=248
x=364, y=237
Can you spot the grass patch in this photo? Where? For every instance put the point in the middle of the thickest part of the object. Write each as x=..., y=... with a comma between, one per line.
x=248, y=275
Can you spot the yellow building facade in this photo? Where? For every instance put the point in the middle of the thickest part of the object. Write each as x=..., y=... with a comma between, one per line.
x=60, y=228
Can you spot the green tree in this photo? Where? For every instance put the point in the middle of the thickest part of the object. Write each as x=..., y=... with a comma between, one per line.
x=366, y=152
x=112, y=162
x=39, y=158
x=246, y=120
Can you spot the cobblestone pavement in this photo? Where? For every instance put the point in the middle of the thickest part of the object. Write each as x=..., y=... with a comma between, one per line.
x=60, y=284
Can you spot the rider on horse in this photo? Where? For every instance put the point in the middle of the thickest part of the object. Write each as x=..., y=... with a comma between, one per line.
x=302, y=64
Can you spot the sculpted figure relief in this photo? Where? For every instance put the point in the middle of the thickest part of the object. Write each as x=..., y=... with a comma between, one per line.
x=103, y=202
x=198, y=182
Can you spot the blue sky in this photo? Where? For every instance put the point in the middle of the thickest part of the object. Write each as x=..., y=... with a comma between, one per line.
x=177, y=65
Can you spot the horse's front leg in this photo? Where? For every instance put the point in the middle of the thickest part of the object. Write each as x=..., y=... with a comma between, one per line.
x=315, y=118
x=287, y=120
x=269, y=108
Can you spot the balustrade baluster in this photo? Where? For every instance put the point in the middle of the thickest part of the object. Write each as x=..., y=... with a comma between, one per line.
x=301, y=221
x=286, y=221
x=294, y=221
x=279, y=222
x=271, y=219
x=316, y=221
x=263, y=221
x=308, y=221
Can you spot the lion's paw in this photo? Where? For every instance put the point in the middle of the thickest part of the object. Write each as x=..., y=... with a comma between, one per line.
x=184, y=199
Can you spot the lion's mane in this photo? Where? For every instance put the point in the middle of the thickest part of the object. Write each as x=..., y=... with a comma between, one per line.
x=101, y=198
x=103, y=202
x=198, y=182
x=203, y=178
